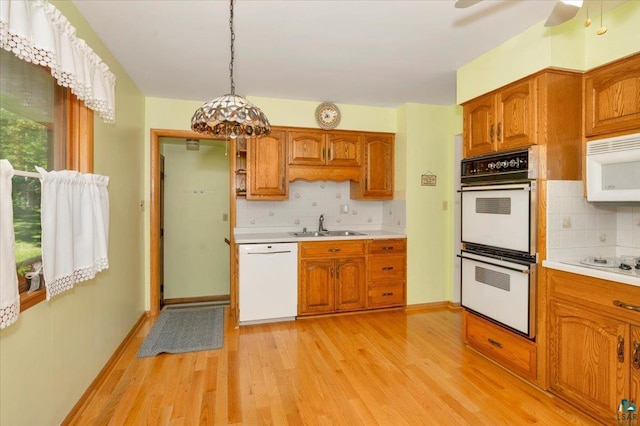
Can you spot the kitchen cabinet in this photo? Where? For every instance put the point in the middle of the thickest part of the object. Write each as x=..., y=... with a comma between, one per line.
x=266, y=172
x=331, y=277
x=594, y=342
x=386, y=273
x=376, y=174
x=611, y=102
x=239, y=159
x=541, y=109
x=316, y=154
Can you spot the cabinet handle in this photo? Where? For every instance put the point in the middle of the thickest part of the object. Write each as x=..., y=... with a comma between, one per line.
x=620, y=348
x=366, y=184
x=499, y=133
x=495, y=343
x=331, y=272
x=338, y=273
x=282, y=183
x=620, y=304
x=334, y=250
x=387, y=268
x=387, y=248
x=491, y=132
x=322, y=154
x=387, y=294
x=636, y=355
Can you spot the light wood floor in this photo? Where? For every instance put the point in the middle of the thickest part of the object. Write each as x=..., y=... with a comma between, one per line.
x=386, y=368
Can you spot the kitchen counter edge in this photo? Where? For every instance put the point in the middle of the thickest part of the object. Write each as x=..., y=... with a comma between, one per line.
x=609, y=276
x=284, y=237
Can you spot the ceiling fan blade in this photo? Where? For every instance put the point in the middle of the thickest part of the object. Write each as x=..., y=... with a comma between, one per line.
x=563, y=11
x=461, y=4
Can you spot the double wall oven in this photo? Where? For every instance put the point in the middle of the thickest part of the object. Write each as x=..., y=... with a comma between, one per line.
x=499, y=211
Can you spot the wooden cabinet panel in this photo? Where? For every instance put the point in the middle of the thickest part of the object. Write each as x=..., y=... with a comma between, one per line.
x=514, y=352
x=376, y=178
x=384, y=295
x=266, y=174
x=612, y=98
x=479, y=118
x=387, y=267
x=316, y=287
x=517, y=116
x=634, y=347
x=350, y=292
x=307, y=148
x=344, y=149
x=587, y=358
x=338, y=248
x=387, y=246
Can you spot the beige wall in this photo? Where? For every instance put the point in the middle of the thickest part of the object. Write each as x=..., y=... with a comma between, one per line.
x=196, y=195
x=53, y=352
x=570, y=46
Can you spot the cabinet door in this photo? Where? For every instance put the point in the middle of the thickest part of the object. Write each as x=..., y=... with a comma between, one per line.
x=343, y=149
x=350, y=284
x=611, y=98
x=635, y=364
x=516, y=116
x=376, y=179
x=316, y=287
x=267, y=168
x=479, y=132
x=588, y=359
x=307, y=148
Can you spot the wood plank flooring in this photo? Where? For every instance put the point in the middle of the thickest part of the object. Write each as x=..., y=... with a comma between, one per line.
x=380, y=368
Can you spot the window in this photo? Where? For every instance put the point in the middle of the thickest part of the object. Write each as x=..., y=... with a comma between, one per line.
x=41, y=124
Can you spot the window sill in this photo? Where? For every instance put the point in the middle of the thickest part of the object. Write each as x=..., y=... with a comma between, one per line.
x=28, y=300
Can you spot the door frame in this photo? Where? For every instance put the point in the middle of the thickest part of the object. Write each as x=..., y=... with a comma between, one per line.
x=154, y=223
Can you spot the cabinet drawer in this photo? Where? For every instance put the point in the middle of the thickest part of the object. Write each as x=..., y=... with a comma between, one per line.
x=515, y=353
x=332, y=248
x=398, y=245
x=603, y=295
x=380, y=296
x=389, y=267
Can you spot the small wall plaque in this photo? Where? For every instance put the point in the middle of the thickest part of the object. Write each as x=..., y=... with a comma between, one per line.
x=428, y=179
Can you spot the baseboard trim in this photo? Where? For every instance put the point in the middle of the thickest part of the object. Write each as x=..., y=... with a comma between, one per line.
x=200, y=299
x=106, y=370
x=434, y=306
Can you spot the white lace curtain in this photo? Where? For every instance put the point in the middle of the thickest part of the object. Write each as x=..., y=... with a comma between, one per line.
x=37, y=32
x=9, y=295
x=75, y=228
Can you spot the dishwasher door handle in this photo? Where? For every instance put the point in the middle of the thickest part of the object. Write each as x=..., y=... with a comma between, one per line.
x=269, y=252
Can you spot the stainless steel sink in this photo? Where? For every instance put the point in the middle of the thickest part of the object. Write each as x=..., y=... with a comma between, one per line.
x=326, y=234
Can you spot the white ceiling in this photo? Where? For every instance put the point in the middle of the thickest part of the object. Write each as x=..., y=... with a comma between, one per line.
x=378, y=53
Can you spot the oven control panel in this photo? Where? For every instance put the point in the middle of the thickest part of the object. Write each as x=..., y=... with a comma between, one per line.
x=515, y=165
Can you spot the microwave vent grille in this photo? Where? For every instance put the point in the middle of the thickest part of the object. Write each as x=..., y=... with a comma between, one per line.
x=621, y=144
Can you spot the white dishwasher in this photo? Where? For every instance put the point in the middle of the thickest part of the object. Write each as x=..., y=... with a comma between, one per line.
x=268, y=282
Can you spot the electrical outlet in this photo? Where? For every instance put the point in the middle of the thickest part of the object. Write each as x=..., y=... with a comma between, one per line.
x=141, y=206
x=225, y=217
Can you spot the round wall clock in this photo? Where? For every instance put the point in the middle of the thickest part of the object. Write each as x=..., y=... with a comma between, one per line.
x=327, y=115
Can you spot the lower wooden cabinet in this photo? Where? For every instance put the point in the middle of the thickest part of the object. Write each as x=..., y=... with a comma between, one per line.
x=594, y=343
x=331, y=277
x=351, y=275
x=508, y=349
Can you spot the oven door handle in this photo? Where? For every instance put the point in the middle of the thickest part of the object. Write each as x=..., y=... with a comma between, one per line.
x=524, y=271
x=498, y=187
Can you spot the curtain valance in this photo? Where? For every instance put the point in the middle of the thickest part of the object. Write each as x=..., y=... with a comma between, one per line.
x=37, y=32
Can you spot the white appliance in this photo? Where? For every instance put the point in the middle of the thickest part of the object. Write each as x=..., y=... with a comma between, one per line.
x=499, y=210
x=268, y=282
x=613, y=169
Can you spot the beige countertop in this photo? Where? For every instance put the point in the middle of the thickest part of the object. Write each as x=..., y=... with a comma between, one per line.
x=285, y=237
x=591, y=272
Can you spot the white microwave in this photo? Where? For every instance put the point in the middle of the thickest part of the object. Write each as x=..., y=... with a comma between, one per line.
x=613, y=169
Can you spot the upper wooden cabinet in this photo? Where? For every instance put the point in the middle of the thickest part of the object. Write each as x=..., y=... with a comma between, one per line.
x=612, y=98
x=542, y=109
x=266, y=172
x=321, y=148
x=376, y=176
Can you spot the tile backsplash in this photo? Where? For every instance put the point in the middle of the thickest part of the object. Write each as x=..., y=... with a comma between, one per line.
x=308, y=200
x=578, y=228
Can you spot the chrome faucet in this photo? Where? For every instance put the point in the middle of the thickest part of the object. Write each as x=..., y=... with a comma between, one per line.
x=321, y=223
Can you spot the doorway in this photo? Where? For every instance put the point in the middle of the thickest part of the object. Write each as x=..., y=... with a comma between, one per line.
x=191, y=278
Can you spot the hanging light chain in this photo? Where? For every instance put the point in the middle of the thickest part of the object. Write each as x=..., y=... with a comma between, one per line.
x=233, y=37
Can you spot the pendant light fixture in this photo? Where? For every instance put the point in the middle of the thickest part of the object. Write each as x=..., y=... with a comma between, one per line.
x=230, y=115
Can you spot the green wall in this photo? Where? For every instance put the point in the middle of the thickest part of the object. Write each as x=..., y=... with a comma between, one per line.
x=54, y=351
